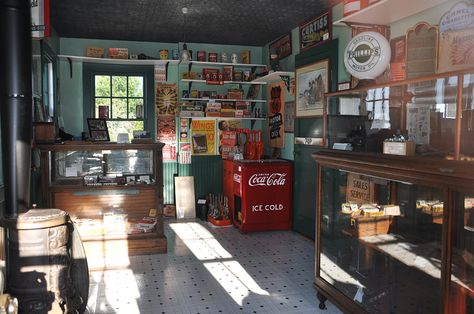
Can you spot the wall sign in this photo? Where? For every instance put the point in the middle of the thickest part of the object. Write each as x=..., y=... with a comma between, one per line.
x=316, y=31
x=276, y=112
x=289, y=121
x=422, y=50
x=203, y=137
x=360, y=189
x=281, y=47
x=456, y=38
x=461, y=16
x=367, y=55
x=40, y=18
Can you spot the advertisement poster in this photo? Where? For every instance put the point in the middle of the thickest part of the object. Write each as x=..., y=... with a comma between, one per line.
x=203, y=138
x=166, y=102
x=185, y=153
x=227, y=136
x=166, y=133
x=316, y=31
x=276, y=111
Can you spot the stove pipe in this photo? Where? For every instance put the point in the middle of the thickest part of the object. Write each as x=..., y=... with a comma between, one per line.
x=16, y=103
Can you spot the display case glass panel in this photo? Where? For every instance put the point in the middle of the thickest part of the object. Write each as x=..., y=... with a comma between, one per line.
x=71, y=166
x=462, y=266
x=422, y=112
x=467, y=120
x=380, y=242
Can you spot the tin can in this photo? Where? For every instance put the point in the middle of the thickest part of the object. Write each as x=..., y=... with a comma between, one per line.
x=212, y=57
x=175, y=54
x=234, y=58
x=201, y=55
x=223, y=57
x=164, y=54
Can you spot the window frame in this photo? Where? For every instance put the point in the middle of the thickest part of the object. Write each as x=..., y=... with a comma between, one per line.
x=92, y=69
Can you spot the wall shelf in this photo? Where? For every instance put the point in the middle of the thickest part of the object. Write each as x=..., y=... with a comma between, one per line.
x=117, y=61
x=223, y=118
x=274, y=76
x=225, y=99
x=386, y=12
x=225, y=82
x=248, y=65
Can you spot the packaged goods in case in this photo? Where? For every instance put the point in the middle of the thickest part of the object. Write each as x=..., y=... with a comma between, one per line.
x=262, y=195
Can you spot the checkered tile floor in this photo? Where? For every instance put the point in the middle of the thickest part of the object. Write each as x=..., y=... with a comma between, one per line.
x=213, y=270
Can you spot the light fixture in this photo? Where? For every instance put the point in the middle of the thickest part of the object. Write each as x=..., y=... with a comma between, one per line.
x=185, y=55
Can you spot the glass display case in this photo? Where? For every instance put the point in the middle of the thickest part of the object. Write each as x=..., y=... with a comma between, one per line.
x=104, y=167
x=395, y=234
x=432, y=116
x=111, y=191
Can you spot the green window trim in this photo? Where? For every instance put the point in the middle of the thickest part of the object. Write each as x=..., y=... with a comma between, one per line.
x=92, y=69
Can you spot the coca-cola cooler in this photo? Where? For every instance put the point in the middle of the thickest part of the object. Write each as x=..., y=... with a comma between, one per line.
x=262, y=195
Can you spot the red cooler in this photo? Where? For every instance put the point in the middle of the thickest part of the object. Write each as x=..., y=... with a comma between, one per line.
x=262, y=195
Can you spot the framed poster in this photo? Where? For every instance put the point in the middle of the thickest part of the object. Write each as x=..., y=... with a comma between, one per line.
x=281, y=47
x=98, y=130
x=289, y=121
x=311, y=83
x=316, y=31
x=421, y=50
x=398, y=58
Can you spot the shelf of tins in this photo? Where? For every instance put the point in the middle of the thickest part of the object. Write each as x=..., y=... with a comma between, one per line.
x=224, y=99
x=117, y=61
x=254, y=82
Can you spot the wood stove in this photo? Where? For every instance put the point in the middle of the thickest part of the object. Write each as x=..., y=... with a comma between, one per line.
x=46, y=267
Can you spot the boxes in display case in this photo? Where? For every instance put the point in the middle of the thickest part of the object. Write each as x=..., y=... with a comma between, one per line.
x=399, y=148
x=118, y=53
x=362, y=226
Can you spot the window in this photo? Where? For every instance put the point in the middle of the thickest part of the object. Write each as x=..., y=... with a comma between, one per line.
x=121, y=100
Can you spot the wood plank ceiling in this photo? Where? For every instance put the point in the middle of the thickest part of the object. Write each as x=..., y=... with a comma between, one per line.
x=238, y=22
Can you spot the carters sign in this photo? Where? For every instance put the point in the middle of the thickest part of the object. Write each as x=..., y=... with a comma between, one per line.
x=316, y=31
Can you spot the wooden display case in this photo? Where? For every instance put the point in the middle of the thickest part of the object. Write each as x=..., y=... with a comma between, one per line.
x=108, y=189
x=409, y=262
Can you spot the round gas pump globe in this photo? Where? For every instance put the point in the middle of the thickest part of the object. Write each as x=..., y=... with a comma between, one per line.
x=367, y=55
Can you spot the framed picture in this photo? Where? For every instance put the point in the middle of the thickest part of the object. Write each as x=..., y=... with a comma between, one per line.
x=311, y=83
x=98, y=129
x=281, y=47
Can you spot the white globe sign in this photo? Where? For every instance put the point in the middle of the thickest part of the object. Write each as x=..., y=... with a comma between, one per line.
x=367, y=55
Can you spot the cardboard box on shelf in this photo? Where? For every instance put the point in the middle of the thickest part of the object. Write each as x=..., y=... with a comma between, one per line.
x=94, y=52
x=118, y=53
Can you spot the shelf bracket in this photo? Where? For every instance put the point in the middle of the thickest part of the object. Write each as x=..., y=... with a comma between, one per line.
x=286, y=79
x=166, y=70
x=70, y=67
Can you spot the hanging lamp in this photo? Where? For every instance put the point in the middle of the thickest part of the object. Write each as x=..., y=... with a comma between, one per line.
x=185, y=55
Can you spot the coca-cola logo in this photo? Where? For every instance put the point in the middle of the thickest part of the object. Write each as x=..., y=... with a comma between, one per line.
x=267, y=179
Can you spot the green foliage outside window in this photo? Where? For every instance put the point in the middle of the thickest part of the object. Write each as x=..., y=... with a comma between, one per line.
x=121, y=100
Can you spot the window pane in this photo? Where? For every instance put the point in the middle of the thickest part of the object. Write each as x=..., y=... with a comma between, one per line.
x=102, y=108
x=135, y=86
x=119, y=108
x=135, y=107
x=116, y=127
x=119, y=86
x=102, y=85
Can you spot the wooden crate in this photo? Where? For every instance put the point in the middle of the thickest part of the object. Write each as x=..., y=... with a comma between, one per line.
x=368, y=226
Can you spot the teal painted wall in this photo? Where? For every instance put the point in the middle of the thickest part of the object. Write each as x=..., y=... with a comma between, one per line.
x=71, y=101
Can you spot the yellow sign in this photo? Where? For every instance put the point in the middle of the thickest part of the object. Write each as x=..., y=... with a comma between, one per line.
x=203, y=137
